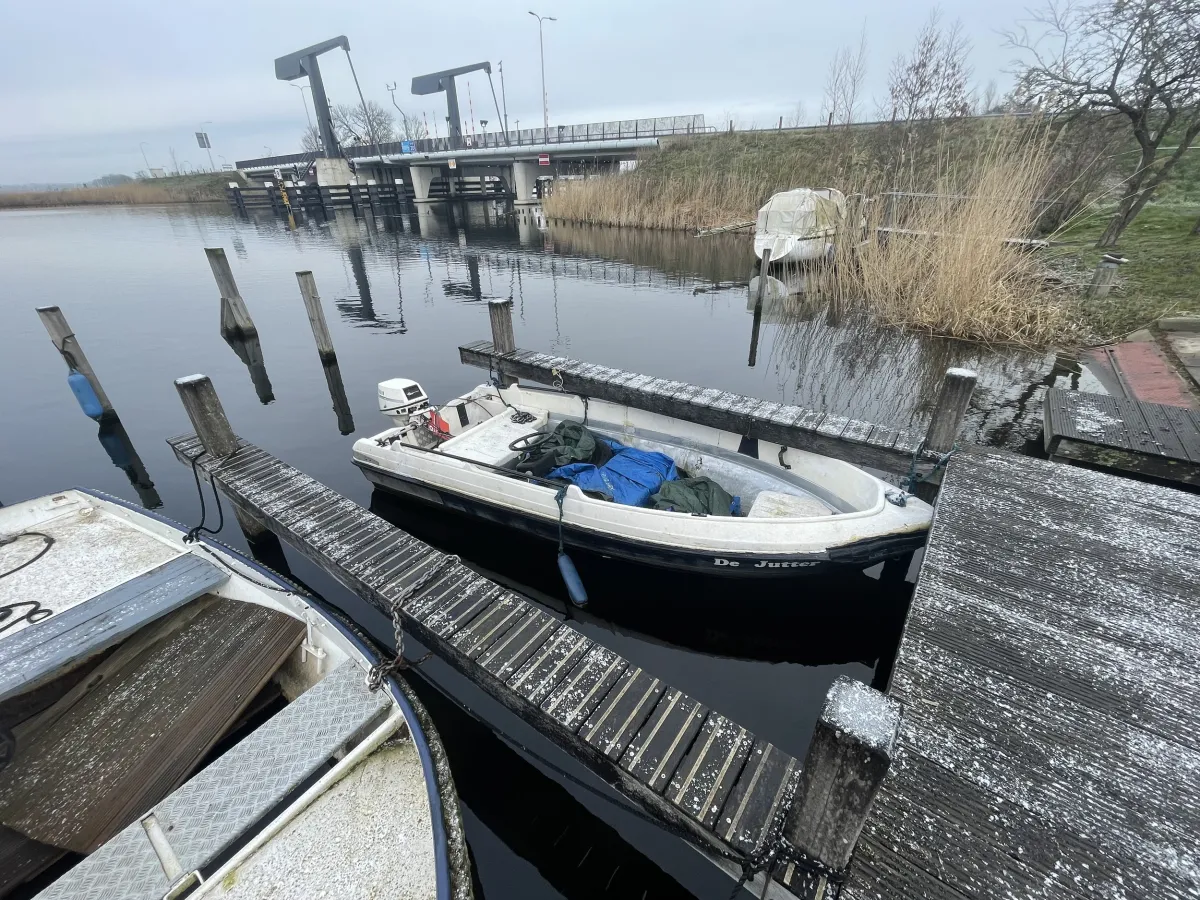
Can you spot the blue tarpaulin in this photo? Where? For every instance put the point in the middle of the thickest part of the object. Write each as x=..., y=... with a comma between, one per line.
x=630, y=477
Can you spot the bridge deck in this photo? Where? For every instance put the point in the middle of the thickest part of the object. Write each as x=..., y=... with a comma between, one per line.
x=1050, y=739
x=1112, y=432
x=705, y=777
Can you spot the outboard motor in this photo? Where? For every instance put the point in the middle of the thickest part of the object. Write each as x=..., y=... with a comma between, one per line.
x=400, y=398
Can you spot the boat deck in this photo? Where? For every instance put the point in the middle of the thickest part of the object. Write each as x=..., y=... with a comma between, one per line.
x=1049, y=741
x=1129, y=435
x=703, y=776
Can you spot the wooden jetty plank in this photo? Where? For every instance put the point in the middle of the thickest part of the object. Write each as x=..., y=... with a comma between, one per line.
x=1117, y=433
x=790, y=426
x=764, y=785
x=617, y=720
x=707, y=774
x=659, y=747
x=584, y=697
x=1049, y=744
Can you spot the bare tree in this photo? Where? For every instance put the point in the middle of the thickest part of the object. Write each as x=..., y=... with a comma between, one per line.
x=174, y=161
x=353, y=127
x=844, y=83
x=989, y=100
x=1134, y=59
x=311, y=141
x=798, y=117
x=931, y=81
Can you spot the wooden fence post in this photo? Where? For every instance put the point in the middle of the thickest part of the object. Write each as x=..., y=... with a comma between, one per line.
x=848, y=756
x=207, y=416
x=503, y=338
x=316, y=317
x=1105, y=275
x=67, y=345
x=235, y=318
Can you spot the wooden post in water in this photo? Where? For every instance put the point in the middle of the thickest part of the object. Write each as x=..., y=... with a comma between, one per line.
x=235, y=318
x=1105, y=275
x=848, y=756
x=762, y=276
x=952, y=403
x=67, y=345
x=503, y=338
x=207, y=416
x=316, y=317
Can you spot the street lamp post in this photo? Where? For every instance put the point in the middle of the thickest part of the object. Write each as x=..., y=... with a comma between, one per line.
x=142, y=147
x=211, y=166
x=542, y=49
x=301, y=88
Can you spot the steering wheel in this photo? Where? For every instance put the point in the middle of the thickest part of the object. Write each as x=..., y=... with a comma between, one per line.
x=530, y=441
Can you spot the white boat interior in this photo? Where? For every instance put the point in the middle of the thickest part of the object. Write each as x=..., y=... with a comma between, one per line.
x=821, y=501
x=186, y=724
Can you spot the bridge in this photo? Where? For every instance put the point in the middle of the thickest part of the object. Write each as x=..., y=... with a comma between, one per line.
x=518, y=157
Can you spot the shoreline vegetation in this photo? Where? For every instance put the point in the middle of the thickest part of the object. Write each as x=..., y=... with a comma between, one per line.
x=992, y=180
x=205, y=187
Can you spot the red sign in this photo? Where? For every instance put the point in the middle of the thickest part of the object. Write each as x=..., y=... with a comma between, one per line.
x=543, y=159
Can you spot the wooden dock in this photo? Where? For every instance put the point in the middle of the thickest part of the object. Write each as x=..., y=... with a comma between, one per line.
x=862, y=443
x=703, y=776
x=1128, y=435
x=1050, y=740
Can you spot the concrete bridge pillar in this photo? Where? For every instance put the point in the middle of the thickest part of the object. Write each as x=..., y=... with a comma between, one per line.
x=422, y=178
x=524, y=181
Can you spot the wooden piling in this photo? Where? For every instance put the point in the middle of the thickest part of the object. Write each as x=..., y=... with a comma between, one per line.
x=503, y=338
x=316, y=317
x=67, y=345
x=1105, y=275
x=952, y=402
x=762, y=276
x=206, y=414
x=848, y=757
x=208, y=418
x=235, y=317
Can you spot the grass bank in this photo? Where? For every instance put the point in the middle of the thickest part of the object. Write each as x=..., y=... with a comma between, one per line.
x=200, y=188
x=1162, y=277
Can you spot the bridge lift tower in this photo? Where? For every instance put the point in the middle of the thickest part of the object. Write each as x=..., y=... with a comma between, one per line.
x=304, y=62
x=444, y=81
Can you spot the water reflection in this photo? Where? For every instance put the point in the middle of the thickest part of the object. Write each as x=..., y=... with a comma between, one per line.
x=249, y=350
x=337, y=393
x=116, y=443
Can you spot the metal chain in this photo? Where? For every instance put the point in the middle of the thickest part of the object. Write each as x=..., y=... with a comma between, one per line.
x=378, y=673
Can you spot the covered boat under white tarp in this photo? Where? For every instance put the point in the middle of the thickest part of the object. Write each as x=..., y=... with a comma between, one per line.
x=799, y=224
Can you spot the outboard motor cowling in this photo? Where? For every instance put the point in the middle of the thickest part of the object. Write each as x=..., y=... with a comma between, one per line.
x=400, y=398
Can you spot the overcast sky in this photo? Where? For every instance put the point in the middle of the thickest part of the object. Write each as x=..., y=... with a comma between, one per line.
x=84, y=86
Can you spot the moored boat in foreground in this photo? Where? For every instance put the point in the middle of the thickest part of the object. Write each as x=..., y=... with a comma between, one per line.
x=637, y=485
x=185, y=722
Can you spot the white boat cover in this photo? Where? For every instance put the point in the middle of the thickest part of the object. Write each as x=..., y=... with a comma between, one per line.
x=802, y=212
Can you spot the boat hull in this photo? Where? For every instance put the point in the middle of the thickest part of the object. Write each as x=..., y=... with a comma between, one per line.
x=858, y=555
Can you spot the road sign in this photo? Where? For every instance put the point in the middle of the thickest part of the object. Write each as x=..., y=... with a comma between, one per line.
x=278, y=173
x=202, y=140
x=407, y=147
x=543, y=159
x=452, y=163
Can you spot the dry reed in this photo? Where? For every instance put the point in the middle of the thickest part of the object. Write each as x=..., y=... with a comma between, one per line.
x=183, y=190
x=951, y=273
x=954, y=276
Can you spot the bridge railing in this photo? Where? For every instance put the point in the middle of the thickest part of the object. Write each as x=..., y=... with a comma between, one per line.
x=617, y=130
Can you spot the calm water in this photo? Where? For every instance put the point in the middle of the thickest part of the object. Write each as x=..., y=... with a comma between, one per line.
x=401, y=293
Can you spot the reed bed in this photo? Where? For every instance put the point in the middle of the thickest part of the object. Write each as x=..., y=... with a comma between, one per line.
x=953, y=275
x=182, y=190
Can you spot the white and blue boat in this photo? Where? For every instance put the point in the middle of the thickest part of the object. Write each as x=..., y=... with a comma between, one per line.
x=179, y=721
